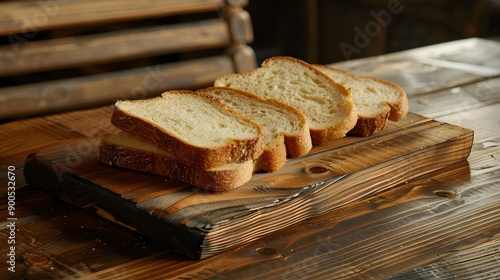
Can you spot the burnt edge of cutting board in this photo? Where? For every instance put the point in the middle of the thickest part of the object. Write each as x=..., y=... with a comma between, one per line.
x=198, y=223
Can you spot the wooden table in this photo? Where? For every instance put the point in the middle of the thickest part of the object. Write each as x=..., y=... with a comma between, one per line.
x=445, y=224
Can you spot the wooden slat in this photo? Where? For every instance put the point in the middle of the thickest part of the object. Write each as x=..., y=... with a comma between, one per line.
x=111, y=46
x=28, y=17
x=26, y=100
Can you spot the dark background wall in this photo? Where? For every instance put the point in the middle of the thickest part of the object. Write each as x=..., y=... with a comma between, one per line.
x=327, y=31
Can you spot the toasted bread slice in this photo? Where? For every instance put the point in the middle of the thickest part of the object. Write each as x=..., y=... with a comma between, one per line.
x=376, y=100
x=285, y=128
x=127, y=151
x=327, y=106
x=193, y=127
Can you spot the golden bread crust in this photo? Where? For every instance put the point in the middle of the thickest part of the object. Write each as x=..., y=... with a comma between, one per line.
x=394, y=111
x=234, y=150
x=218, y=179
x=274, y=154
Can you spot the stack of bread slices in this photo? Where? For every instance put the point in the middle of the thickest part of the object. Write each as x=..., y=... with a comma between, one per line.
x=216, y=138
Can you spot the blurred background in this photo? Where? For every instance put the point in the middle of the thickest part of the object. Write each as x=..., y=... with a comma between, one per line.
x=59, y=55
x=319, y=30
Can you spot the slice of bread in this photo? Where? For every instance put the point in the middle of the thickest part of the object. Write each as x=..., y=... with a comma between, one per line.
x=127, y=151
x=376, y=100
x=285, y=128
x=193, y=127
x=327, y=106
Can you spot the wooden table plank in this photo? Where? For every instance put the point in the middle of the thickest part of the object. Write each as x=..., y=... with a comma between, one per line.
x=479, y=262
x=60, y=241
x=421, y=221
x=433, y=68
x=457, y=99
x=26, y=136
x=482, y=120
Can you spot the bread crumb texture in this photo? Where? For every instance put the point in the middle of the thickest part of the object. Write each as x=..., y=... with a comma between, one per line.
x=274, y=119
x=291, y=82
x=195, y=120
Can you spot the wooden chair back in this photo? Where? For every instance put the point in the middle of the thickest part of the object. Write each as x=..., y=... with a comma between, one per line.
x=60, y=55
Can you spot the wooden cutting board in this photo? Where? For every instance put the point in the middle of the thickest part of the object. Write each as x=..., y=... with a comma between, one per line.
x=200, y=223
